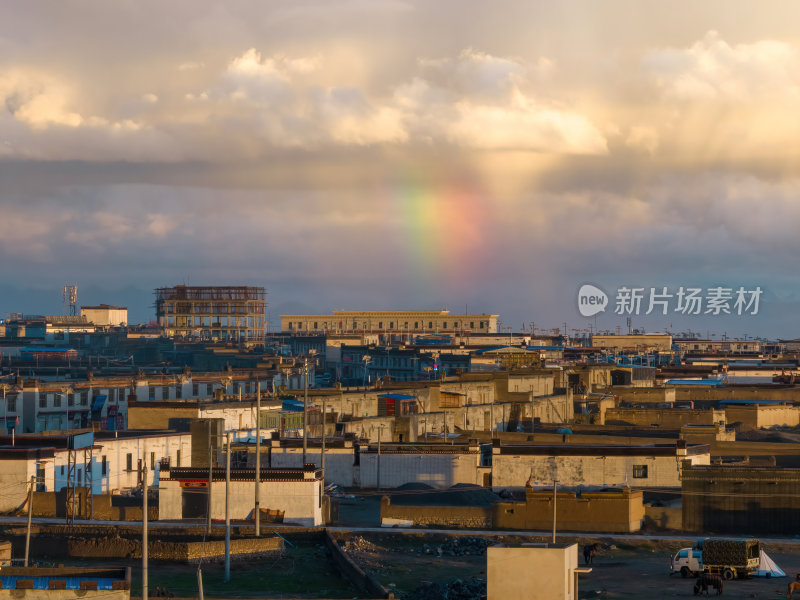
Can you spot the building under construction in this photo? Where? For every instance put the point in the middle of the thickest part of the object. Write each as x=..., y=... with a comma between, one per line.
x=212, y=312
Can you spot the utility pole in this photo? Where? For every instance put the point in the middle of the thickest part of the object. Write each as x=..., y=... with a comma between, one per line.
x=144, y=531
x=30, y=514
x=257, y=514
x=210, y=479
x=532, y=410
x=305, y=410
x=323, y=442
x=378, y=473
x=227, y=509
x=555, y=491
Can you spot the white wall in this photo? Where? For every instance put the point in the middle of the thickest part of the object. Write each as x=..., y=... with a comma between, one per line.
x=437, y=470
x=299, y=499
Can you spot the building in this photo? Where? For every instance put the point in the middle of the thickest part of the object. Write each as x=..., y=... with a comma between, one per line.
x=741, y=499
x=547, y=573
x=391, y=322
x=702, y=346
x=644, y=342
x=600, y=465
x=294, y=494
x=209, y=312
x=105, y=315
x=66, y=583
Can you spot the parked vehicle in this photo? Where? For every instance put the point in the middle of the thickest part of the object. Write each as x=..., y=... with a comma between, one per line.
x=730, y=558
x=687, y=561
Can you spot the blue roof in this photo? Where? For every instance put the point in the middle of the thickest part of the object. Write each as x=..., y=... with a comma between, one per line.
x=46, y=349
x=397, y=396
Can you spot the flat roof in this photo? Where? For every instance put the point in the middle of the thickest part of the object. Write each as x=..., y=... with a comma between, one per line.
x=598, y=450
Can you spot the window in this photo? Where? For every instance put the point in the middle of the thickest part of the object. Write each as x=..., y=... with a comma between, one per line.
x=62, y=469
x=151, y=394
x=57, y=400
x=178, y=458
x=103, y=466
x=391, y=324
x=683, y=554
x=152, y=461
x=315, y=325
x=84, y=398
x=195, y=389
x=11, y=403
x=129, y=462
x=42, y=400
x=179, y=391
x=165, y=393
x=640, y=471
x=430, y=324
x=209, y=389
x=472, y=324
x=121, y=393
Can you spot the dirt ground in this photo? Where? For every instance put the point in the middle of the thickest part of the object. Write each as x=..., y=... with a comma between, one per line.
x=402, y=563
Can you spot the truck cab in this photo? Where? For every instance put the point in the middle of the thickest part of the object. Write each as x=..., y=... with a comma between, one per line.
x=687, y=561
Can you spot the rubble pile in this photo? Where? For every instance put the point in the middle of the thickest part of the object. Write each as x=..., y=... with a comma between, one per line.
x=471, y=589
x=359, y=544
x=464, y=546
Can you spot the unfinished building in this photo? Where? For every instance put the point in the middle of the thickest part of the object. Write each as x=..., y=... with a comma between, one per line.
x=212, y=312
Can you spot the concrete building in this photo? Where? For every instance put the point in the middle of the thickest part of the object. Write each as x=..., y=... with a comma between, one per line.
x=113, y=462
x=741, y=499
x=636, y=342
x=208, y=312
x=293, y=493
x=105, y=315
x=699, y=346
x=65, y=583
x=548, y=573
x=572, y=464
x=391, y=322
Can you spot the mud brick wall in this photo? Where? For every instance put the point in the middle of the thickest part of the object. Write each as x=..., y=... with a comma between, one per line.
x=473, y=517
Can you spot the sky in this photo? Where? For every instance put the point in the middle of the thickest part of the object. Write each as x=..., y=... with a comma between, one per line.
x=386, y=155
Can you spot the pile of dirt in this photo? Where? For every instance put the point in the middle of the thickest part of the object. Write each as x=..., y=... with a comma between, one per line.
x=462, y=546
x=461, y=494
x=471, y=589
x=359, y=544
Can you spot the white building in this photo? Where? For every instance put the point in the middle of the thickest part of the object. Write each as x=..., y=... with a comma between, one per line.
x=297, y=493
x=572, y=464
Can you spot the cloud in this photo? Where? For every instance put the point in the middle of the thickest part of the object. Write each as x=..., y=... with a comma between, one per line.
x=713, y=69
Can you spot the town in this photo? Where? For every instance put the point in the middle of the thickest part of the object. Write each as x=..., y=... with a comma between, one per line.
x=207, y=438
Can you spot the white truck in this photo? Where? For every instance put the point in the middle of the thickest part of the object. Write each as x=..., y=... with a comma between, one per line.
x=687, y=562
x=730, y=558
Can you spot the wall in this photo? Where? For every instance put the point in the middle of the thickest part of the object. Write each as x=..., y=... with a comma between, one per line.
x=473, y=517
x=710, y=394
x=641, y=394
x=15, y=477
x=299, y=500
x=663, y=517
x=671, y=418
x=512, y=471
x=438, y=469
x=338, y=461
x=538, y=573
x=754, y=417
x=610, y=512
x=741, y=500
x=349, y=569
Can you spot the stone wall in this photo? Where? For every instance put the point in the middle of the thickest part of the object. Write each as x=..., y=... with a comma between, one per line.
x=178, y=551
